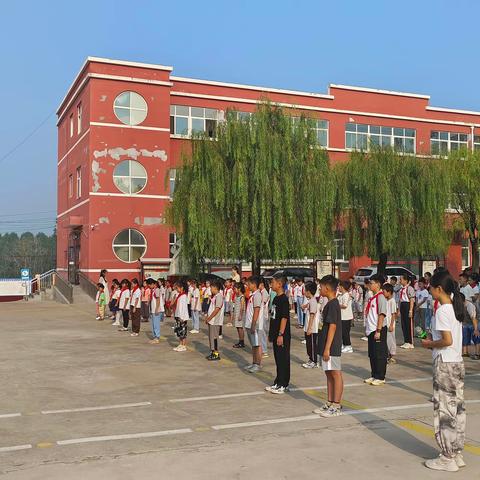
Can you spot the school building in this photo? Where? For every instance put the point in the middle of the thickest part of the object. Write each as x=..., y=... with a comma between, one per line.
x=122, y=127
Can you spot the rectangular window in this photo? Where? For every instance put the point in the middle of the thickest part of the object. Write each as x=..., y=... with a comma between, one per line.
x=187, y=120
x=79, y=182
x=443, y=142
x=79, y=118
x=172, y=244
x=466, y=257
x=363, y=137
x=172, y=177
x=70, y=186
x=476, y=142
x=71, y=125
x=321, y=130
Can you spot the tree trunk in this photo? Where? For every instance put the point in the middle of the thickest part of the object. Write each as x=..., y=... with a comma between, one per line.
x=256, y=266
x=382, y=264
x=475, y=253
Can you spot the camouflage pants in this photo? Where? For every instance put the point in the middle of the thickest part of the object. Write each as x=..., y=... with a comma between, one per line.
x=449, y=417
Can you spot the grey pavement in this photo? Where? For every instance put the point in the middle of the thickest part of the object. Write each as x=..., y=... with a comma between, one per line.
x=143, y=411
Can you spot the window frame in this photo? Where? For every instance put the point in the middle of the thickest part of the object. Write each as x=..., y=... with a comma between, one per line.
x=79, y=118
x=71, y=125
x=190, y=117
x=129, y=245
x=130, y=176
x=79, y=182
x=448, y=141
x=70, y=185
x=129, y=108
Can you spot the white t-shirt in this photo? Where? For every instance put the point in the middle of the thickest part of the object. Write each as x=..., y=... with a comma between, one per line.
x=391, y=309
x=312, y=308
x=181, y=309
x=124, y=302
x=345, y=300
x=422, y=295
x=469, y=292
x=136, y=300
x=217, y=302
x=254, y=301
x=299, y=291
x=445, y=320
x=406, y=293
x=196, y=300
x=375, y=307
x=228, y=294
x=158, y=298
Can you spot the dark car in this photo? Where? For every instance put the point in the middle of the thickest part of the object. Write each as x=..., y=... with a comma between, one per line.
x=200, y=277
x=290, y=272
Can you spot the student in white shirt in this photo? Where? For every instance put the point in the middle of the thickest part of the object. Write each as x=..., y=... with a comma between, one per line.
x=181, y=316
x=254, y=323
x=124, y=304
x=389, y=293
x=214, y=319
x=115, y=305
x=263, y=333
x=299, y=294
x=157, y=308
x=421, y=305
x=449, y=417
x=407, y=305
x=312, y=321
x=368, y=296
x=195, y=307
x=345, y=301
x=136, y=307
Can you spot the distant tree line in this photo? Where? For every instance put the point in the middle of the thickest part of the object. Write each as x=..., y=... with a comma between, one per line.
x=37, y=252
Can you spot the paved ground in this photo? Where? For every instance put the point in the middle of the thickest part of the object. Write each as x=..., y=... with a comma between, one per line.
x=178, y=415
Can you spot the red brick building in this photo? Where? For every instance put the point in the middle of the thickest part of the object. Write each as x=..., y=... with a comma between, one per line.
x=122, y=127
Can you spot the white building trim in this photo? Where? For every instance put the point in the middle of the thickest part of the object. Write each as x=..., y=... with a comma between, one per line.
x=452, y=110
x=93, y=270
x=326, y=109
x=251, y=87
x=129, y=195
x=135, y=127
x=74, y=145
x=129, y=79
x=375, y=90
x=72, y=99
x=144, y=259
x=73, y=208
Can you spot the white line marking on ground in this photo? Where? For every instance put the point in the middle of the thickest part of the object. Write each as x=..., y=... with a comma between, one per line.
x=126, y=436
x=15, y=448
x=316, y=417
x=90, y=409
x=10, y=415
x=301, y=389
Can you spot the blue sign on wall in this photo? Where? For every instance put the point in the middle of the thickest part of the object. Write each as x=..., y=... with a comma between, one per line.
x=25, y=273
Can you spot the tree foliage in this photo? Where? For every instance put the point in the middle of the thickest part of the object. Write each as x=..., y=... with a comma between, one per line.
x=261, y=190
x=392, y=204
x=463, y=174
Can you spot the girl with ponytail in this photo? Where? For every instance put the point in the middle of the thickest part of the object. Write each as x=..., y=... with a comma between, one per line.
x=449, y=416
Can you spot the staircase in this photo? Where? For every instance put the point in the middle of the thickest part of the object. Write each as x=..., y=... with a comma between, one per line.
x=80, y=297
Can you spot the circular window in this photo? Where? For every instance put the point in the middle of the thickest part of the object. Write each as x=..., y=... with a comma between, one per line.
x=130, y=177
x=130, y=108
x=129, y=245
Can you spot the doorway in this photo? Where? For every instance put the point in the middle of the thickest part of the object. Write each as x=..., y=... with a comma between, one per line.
x=74, y=256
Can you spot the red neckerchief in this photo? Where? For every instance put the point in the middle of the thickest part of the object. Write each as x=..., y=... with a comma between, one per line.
x=250, y=298
x=135, y=288
x=435, y=306
x=176, y=300
x=123, y=289
x=369, y=304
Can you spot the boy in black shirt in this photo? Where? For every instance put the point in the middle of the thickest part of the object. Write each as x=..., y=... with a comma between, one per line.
x=330, y=348
x=279, y=335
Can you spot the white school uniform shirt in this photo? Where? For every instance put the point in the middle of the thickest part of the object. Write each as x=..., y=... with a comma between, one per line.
x=217, y=302
x=266, y=302
x=158, y=298
x=445, y=320
x=136, y=298
x=299, y=291
x=196, y=299
x=312, y=308
x=468, y=291
x=391, y=309
x=190, y=294
x=375, y=307
x=228, y=294
x=181, y=307
x=406, y=293
x=116, y=295
x=345, y=300
x=421, y=295
x=124, y=301
x=254, y=301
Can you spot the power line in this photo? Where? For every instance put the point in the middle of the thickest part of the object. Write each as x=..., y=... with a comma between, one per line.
x=25, y=139
x=28, y=213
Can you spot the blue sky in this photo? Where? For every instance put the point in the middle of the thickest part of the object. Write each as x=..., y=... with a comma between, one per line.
x=424, y=46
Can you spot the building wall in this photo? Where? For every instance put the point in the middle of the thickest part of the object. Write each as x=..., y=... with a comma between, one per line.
x=102, y=210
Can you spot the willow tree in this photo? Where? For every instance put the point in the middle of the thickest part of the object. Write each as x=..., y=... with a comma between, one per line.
x=261, y=190
x=463, y=169
x=392, y=204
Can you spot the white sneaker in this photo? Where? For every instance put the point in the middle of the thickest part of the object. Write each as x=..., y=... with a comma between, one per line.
x=323, y=408
x=255, y=368
x=194, y=331
x=347, y=349
x=309, y=364
x=369, y=380
x=265, y=355
x=331, y=412
x=278, y=390
x=365, y=339
x=304, y=342
x=459, y=460
x=134, y=334
x=271, y=387
x=97, y=317
x=411, y=346
x=220, y=337
x=180, y=348
x=377, y=382
x=442, y=463
x=115, y=324
x=248, y=367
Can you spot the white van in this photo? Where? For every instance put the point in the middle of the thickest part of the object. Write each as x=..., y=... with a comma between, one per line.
x=365, y=273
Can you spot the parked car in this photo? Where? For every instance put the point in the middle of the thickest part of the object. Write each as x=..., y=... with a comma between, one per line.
x=289, y=272
x=365, y=273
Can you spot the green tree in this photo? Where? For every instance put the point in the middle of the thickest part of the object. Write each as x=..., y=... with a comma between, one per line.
x=392, y=204
x=261, y=190
x=463, y=168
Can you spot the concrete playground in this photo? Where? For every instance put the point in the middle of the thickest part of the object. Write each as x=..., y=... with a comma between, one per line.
x=80, y=400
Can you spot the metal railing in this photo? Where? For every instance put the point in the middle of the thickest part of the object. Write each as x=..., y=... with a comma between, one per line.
x=65, y=288
x=53, y=280
x=43, y=281
x=89, y=287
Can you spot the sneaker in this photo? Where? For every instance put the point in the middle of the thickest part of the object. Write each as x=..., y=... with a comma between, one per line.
x=229, y=324
x=278, y=390
x=459, y=460
x=347, y=349
x=220, y=337
x=309, y=364
x=255, y=368
x=265, y=355
x=331, y=412
x=97, y=318
x=248, y=367
x=442, y=463
x=115, y=324
x=411, y=346
x=100, y=319
x=194, y=331
x=214, y=356
x=323, y=408
x=392, y=360
x=304, y=342
x=365, y=339
x=377, y=382
x=239, y=345
x=269, y=388
x=475, y=357
x=154, y=341
x=180, y=348
x=123, y=329
x=134, y=334
x=369, y=380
